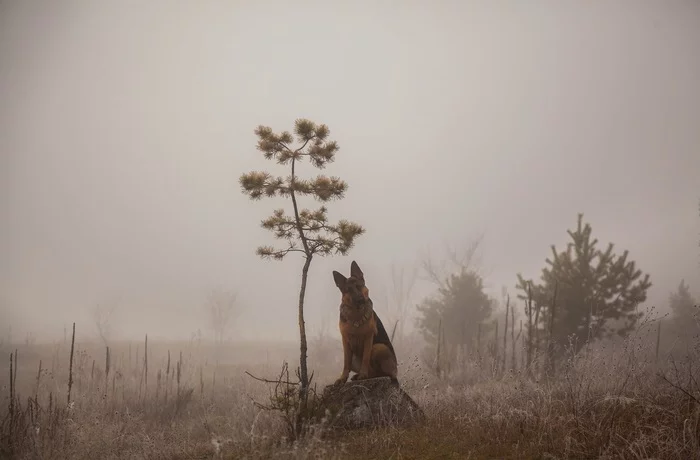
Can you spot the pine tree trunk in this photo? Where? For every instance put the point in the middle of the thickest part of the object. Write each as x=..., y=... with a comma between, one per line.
x=550, y=358
x=303, y=370
x=496, y=352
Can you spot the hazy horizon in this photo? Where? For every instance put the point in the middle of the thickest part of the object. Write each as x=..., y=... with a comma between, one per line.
x=124, y=129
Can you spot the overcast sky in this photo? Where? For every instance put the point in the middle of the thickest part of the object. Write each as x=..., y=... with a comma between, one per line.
x=124, y=127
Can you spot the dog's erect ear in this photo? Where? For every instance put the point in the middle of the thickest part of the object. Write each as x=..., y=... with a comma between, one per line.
x=355, y=271
x=340, y=280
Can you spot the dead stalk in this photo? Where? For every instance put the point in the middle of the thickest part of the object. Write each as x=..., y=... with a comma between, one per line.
x=12, y=387
x=437, y=353
x=512, y=336
x=505, y=335
x=550, y=338
x=70, y=366
x=107, y=356
x=38, y=382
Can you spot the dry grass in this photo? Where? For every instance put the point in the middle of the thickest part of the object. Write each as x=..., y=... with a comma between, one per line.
x=603, y=404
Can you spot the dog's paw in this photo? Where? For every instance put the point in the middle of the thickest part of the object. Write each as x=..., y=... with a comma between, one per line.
x=341, y=380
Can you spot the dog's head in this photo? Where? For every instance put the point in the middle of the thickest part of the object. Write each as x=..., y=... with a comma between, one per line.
x=354, y=292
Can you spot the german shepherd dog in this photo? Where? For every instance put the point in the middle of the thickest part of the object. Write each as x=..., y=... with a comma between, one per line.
x=367, y=350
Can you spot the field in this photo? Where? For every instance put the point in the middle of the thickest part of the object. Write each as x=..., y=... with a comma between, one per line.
x=191, y=400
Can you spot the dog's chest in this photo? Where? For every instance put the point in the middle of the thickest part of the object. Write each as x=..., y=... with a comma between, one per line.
x=357, y=319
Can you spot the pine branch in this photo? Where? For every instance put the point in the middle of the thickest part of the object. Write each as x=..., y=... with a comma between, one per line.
x=268, y=252
x=322, y=188
x=257, y=184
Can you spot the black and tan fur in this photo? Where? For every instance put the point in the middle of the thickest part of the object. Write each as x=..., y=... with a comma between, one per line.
x=367, y=350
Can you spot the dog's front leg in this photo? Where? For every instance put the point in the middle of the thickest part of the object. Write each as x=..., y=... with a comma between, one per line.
x=366, y=355
x=347, y=358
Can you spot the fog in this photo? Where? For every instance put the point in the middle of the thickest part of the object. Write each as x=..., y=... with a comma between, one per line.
x=124, y=128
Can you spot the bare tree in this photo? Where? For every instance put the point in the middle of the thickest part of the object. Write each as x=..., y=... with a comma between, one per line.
x=222, y=307
x=102, y=316
x=454, y=261
x=402, y=284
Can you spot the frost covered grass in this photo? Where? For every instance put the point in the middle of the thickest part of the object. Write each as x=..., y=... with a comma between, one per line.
x=604, y=403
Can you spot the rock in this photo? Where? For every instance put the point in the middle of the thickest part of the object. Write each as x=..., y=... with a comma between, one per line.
x=368, y=403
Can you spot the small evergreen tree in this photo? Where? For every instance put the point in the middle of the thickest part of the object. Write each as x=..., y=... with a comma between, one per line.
x=594, y=289
x=304, y=231
x=459, y=306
